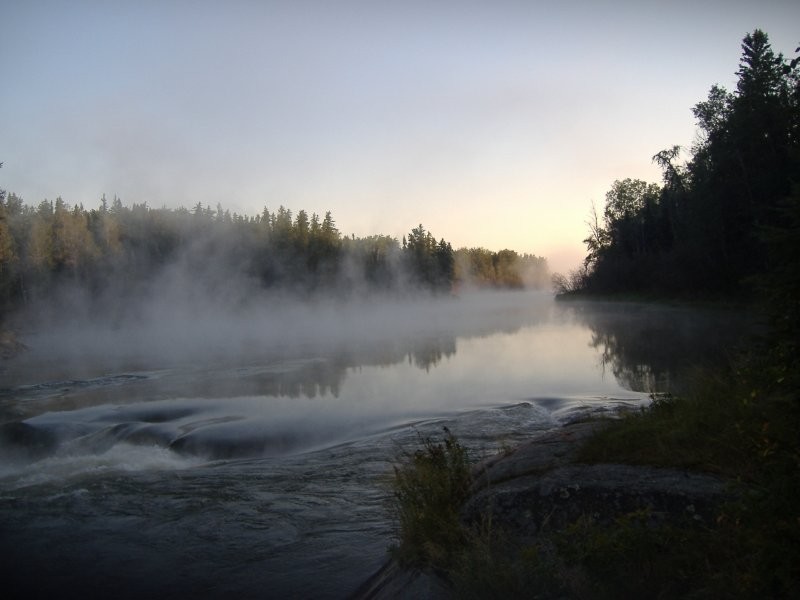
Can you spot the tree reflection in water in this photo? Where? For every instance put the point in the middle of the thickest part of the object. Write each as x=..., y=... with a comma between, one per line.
x=654, y=348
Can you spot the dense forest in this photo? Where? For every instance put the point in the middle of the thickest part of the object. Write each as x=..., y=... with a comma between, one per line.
x=722, y=221
x=723, y=224
x=116, y=251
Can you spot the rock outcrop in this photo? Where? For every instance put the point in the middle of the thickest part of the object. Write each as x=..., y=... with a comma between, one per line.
x=539, y=487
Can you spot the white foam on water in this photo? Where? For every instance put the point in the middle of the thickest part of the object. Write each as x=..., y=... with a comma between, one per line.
x=120, y=458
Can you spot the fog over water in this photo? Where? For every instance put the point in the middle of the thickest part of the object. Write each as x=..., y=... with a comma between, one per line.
x=192, y=448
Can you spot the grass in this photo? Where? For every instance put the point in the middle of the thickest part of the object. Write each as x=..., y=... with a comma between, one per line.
x=742, y=424
x=429, y=489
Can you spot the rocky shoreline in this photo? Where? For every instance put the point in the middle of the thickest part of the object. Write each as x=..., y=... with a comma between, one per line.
x=539, y=487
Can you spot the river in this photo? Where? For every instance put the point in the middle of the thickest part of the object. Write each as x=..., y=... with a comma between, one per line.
x=249, y=457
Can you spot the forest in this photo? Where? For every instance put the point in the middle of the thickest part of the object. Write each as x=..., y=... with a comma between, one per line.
x=724, y=225
x=725, y=219
x=118, y=251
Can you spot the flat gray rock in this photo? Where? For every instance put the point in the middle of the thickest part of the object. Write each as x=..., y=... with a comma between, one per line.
x=547, y=451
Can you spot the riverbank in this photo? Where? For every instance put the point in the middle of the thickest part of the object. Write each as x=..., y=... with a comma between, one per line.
x=536, y=492
x=695, y=496
x=699, y=301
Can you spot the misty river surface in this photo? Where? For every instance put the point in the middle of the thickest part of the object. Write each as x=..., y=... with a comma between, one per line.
x=249, y=455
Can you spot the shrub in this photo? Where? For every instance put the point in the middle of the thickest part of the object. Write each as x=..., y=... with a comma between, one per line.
x=429, y=489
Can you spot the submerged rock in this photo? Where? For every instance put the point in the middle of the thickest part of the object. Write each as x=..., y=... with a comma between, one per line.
x=19, y=439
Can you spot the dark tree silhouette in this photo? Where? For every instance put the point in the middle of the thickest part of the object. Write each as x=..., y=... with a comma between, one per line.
x=703, y=230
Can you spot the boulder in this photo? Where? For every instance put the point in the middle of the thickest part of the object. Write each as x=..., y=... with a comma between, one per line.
x=528, y=505
x=539, y=485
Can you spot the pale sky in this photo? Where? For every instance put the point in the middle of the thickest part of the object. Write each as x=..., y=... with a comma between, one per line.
x=493, y=123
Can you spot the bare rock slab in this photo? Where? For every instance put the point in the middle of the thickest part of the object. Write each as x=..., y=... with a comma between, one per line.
x=532, y=504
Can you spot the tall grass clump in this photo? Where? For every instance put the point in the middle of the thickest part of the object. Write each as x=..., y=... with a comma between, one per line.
x=476, y=561
x=430, y=486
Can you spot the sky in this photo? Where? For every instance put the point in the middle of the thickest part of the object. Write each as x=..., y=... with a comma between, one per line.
x=493, y=123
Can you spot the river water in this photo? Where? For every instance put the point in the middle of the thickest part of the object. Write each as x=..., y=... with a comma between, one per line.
x=249, y=456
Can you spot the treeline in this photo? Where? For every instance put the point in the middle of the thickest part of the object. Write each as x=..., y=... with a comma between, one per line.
x=127, y=248
x=724, y=219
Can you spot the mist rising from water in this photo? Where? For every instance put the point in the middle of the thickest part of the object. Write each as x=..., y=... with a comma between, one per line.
x=218, y=315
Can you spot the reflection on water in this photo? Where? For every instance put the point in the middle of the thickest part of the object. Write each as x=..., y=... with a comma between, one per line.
x=253, y=460
x=653, y=348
